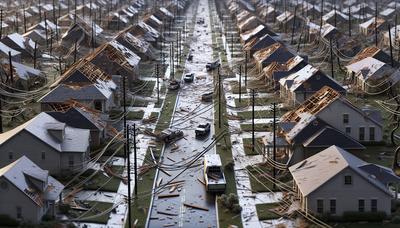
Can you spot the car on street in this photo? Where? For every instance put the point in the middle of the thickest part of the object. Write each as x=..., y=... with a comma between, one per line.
x=189, y=77
x=169, y=135
x=207, y=97
x=214, y=177
x=202, y=130
x=174, y=84
x=213, y=65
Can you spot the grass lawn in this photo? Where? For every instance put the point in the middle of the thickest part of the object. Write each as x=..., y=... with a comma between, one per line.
x=262, y=114
x=264, y=213
x=135, y=102
x=258, y=101
x=100, y=180
x=257, y=127
x=159, y=104
x=95, y=209
x=248, y=147
x=265, y=185
x=143, y=88
x=224, y=149
x=132, y=115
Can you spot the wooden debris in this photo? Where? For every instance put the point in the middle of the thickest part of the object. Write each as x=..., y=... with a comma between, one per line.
x=168, y=225
x=201, y=181
x=173, y=188
x=159, y=182
x=171, y=159
x=168, y=195
x=195, y=206
x=165, y=172
x=233, y=117
x=167, y=213
x=174, y=147
x=111, y=173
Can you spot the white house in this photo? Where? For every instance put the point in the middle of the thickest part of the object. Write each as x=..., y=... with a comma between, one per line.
x=335, y=182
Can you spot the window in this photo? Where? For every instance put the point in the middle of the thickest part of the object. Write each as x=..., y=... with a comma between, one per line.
x=98, y=105
x=345, y=118
x=19, y=212
x=43, y=156
x=348, y=130
x=71, y=161
x=10, y=156
x=371, y=134
x=374, y=205
x=361, y=205
x=361, y=132
x=347, y=180
x=320, y=206
x=333, y=206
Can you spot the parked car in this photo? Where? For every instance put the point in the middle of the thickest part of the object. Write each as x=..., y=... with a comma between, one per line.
x=189, y=77
x=207, y=97
x=169, y=135
x=213, y=174
x=202, y=130
x=213, y=65
x=174, y=84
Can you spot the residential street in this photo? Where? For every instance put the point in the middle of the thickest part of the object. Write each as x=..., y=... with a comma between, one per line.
x=189, y=112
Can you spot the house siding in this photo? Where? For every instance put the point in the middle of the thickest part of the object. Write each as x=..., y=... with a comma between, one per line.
x=356, y=120
x=347, y=196
x=11, y=198
x=26, y=144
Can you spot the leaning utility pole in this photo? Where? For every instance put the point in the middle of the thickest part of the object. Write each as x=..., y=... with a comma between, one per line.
x=127, y=152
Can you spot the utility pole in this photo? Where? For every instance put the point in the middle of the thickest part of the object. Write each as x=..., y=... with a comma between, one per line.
x=390, y=44
x=11, y=68
x=124, y=103
x=376, y=24
x=75, y=49
x=274, y=143
x=158, y=83
x=1, y=23
x=127, y=152
x=294, y=24
x=245, y=69
x=219, y=99
x=332, y=70
x=24, y=19
x=240, y=83
x=1, y=113
x=34, y=55
x=231, y=45
x=135, y=158
x=349, y=22
x=252, y=120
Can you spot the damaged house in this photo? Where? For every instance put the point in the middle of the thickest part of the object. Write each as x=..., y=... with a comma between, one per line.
x=300, y=85
x=77, y=115
x=23, y=76
x=83, y=34
x=336, y=182
x=274, y=53
x=329, y=105
x=256, y=44
x=28, y=192
x=370, y=75
x=336, y=18
x=146, y=32
x=49, y=143
x=137, y=45
x=368, y=28
x=115, y=59
x=86, y=83
x=256, y=33
x=276, y=71
x=287, y=21
x=21, y=44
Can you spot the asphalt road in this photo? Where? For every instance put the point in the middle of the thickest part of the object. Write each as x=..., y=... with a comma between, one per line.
x=190, y=111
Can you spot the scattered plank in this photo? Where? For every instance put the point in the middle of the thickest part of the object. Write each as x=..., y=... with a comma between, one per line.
x=201, y=181
x=167, y=195
x=195, y=206
x=167, y=213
